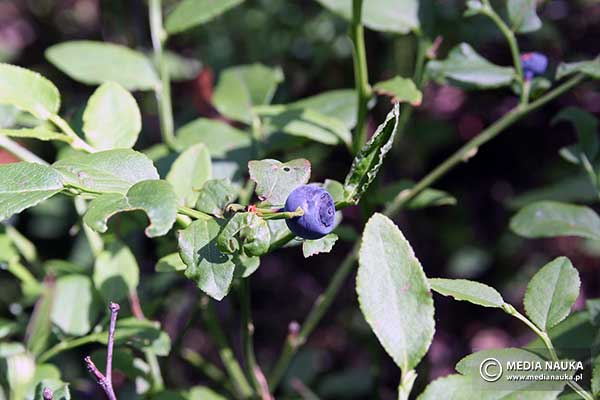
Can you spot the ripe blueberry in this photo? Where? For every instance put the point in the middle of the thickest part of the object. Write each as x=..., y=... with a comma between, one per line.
x=533, y=64
x=319, y=211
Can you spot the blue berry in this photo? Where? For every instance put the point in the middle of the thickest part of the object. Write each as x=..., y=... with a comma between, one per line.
x=319, y=211
x=533, y=64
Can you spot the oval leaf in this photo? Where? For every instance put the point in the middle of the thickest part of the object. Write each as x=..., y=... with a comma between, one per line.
x=38, y=133
x=393, y=293
x=400, y=89
x=551, y=293
x=522, y=15
x=216, y=194
x=28, y=91
x=276, y=180
x=590, y=67
x=112, y=119
x=190, y=13
x=74, y=309
x=550, y=219
x=323, y=245
x=97, y=62
x=222, y=140
x=466, y=290
x=189, y=172
x=116, y=273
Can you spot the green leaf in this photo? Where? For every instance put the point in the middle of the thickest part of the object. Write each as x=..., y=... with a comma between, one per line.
x=596, y=377
x=215, y=195
x=181, y=68
x=243, y=87
x=170, y=263
x=466, y=69
x=427, y=198
x=39, y=326
x=550, y=219
x=522, y=16
x=189, y=172
x=551, y=293
x=369, y=159
x=340, y=104
x=60, y=390
x=8, y=115
x=140, y=334
x=112, y=119
x=335, y=189
x=95, y=63
x=110, y=171
x=590, y=68
x=245, y=265
x=574, y=188
x=586, y=126
x=24, y=185
x=116, y=273
x=39, y=133
x=323, y=245
x=397, y=16
x=400, y=89
x=453, y=386
x=28, y=91
x=203, y=393
x=190, y=13
x=466, y=290
x=74, y=309
x=155, y=197
x=206, y=265
x=593, y=307
x=276, y=180
x=245, y=232
x=222, y=140
x=393, y=293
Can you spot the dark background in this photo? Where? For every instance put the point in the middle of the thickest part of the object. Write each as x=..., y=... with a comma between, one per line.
x=342, y=358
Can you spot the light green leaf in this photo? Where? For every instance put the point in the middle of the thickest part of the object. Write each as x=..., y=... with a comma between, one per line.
x=206, y=265
x=110, y=171
x=111, y=119
x=466, y=69
x=39, y=133
x=335, y=189
x=393, y=293
x=453, y=387
x=8, y=115
x=339, y=104
x=24, y=185
x=189, y=172
x=323, y=245
x=190, y=13
x=28, y=91
x=551, y=293
x=245, y=232
x=74, y=309
x=398, y=16
x=241, y=88
x=60, y=390
x=39, y=326
x=204, y=393
x=181, y=68
x=155, y=197
x=466, y=290
x=215, y=195
x=95, y=63
x=550, y=219
x=276, y=180
x=401, y=89
x=369, y=159
x=116, y=273
x=590, y=68
x=586, y=126
x=222, y=140
x=522, y=15
x=170, y=263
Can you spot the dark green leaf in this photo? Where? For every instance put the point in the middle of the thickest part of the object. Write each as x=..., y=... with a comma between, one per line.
x=245, y=232
x=550, y=219
x=95, y=63
x=190, y=13
x=590, y=68
x=39, y=326
x=571, y=189
x=28, y=91
x=112, y=119
x=522, y=15
x=215, y=195
x=116, y=273
x=551, y=293
x=468, y=70
x=369, y=159
x=206, y=265
x=189, y=172
x=586, y=126
x=181, y=68
x=463, y=289
x=400, y=89
x=427, y=198
x=111, y=171
x=155, y=197
x=24, y=185
x=323, y=245
x=393, y=293
x=276, y=180
x=141, y=334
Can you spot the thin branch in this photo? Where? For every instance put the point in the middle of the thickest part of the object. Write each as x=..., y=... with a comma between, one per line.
x=19, y=151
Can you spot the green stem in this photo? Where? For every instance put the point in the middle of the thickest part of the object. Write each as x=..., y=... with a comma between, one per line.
x=190, y=212
x=225, y=352
x=512, y=311
x=269, y=214
x=324, y=301
x=361, y=75
x=70, y=344
x=406, y=384
x=163, y=92
x=77, y=142
x=248, y=333
x=19, y=151
x=207, y=368
x=94, y=239
x=158, y=384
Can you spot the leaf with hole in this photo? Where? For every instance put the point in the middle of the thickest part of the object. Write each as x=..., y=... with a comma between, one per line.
x=276, y=180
